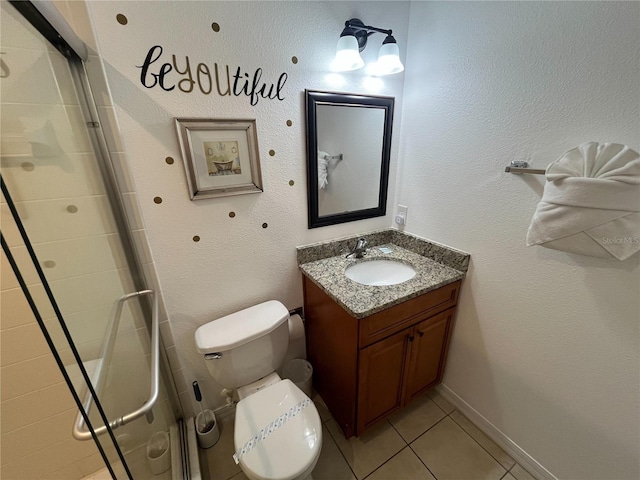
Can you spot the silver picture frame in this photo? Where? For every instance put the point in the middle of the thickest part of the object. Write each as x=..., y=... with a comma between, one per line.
x=220, y=156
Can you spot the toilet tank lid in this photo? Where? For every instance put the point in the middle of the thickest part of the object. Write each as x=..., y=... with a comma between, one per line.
x=240, y=327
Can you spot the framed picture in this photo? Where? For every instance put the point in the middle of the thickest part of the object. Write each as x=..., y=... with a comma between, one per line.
x=220, y=156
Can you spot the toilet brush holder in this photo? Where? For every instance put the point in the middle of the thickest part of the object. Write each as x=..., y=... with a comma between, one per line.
x=207, y=429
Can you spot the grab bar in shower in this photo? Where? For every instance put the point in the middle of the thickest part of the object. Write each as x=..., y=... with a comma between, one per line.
x=100, y=374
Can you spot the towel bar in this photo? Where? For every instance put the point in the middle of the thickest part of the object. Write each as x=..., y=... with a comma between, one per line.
x=519, y=167
x=100, y=375
x=333, y=157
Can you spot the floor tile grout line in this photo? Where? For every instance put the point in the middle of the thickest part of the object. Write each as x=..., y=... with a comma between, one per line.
x=386, y=461
x=428, y=429
x=514, y=466
x=482, y=446
x=422, y=461
x=336, y=443
x=399, y=434
x=408, y=444
x=340, y=450
x=416, y=454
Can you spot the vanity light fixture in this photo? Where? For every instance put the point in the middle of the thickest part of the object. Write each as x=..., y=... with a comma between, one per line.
x=353, y=40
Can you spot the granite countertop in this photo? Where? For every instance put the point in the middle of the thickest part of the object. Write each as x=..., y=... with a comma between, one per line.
x=363, y=300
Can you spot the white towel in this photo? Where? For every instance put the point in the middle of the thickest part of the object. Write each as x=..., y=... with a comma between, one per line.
x=323, y=165
x=591, y=203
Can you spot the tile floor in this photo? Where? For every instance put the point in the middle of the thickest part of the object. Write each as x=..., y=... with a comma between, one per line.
x=426, y=440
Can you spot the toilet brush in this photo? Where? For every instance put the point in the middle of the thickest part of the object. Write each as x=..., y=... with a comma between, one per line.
x=207, y=421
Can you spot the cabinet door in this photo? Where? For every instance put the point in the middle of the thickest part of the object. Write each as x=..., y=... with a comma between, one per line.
x=428, y=353
x=382, y=367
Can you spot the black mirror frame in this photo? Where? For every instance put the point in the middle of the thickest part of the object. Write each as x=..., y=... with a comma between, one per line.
x=314, y=98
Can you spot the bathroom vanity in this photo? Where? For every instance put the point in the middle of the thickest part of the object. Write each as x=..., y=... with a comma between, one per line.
x=375, y=348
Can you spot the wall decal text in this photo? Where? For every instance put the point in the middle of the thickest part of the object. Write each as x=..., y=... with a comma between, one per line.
x=156, y=73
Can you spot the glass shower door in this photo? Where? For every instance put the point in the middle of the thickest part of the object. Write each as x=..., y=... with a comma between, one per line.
x=62, y=225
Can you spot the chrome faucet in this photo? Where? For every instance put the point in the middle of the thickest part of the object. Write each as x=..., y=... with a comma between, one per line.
x=360, y=249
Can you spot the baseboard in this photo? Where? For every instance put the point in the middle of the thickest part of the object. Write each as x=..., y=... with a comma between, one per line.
x=490, y=430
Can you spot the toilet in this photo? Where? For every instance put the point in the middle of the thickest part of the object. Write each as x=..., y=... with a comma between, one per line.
x=277, y=431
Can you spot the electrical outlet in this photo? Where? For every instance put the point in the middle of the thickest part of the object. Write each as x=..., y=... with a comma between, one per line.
x=401, y=215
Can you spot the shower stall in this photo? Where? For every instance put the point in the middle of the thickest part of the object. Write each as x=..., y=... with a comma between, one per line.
x=76, y=287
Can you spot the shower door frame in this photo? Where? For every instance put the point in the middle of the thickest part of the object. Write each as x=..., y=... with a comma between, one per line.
x=107, y=170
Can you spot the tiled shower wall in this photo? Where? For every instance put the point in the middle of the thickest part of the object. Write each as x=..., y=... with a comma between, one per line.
x=37, y=409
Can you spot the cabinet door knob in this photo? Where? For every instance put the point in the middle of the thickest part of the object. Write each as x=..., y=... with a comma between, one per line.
x=411, y=338
x=420, y=333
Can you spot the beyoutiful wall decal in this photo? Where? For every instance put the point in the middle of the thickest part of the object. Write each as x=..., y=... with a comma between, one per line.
x=156, y=73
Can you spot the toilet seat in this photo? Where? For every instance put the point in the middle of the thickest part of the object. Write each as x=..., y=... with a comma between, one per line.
x=292, y=448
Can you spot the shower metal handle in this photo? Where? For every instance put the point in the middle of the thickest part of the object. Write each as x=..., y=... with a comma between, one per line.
x=79, y=430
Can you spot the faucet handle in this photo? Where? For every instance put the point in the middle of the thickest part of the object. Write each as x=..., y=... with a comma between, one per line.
x=360, y=249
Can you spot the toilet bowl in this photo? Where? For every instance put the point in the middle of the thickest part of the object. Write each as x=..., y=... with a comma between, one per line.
x=277, y=431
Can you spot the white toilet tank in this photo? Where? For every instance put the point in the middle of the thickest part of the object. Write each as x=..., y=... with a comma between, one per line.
x=245, y=346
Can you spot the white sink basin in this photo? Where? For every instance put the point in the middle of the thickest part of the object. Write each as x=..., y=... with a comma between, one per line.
x=380, y=272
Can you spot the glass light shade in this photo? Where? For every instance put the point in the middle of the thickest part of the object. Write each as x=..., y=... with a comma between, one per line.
x=389, y=60
x=347, y=55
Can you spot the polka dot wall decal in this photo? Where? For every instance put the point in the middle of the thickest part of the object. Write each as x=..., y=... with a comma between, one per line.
x=49, y=264
x=294, y=60
x=196, y=238
x=289, y=123
x=292, y=183
x=157, y=200
x=264, y=225
x=28, y=166
x=232, y=214
x=169, y=160
x=272, y=152
x=122, y=20
x=72, y=208
x=215, y=27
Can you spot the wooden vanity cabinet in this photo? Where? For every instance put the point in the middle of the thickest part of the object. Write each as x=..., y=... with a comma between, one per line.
x=365, y=369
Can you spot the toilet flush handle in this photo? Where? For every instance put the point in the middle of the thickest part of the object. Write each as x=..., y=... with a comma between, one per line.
x=212, y=356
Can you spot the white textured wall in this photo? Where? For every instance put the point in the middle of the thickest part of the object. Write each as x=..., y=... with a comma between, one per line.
x=546, y=344
x=237, y=263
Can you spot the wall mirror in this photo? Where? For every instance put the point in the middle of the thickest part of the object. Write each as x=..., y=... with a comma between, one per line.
x=348, y=152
